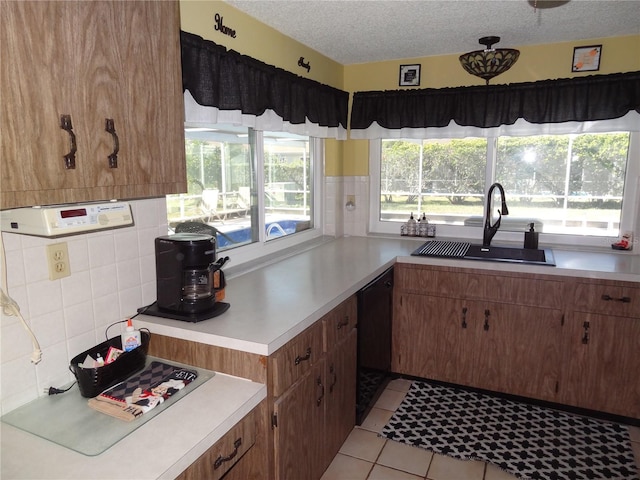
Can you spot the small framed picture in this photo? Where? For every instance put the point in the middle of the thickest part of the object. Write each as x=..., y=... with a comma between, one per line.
x=410, y=75
x=586, y=59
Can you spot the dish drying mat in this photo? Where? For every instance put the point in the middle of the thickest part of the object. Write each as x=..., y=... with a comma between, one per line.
x=67, y=419
x=442, y=248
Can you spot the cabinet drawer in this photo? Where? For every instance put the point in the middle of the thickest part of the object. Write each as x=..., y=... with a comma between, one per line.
x=339, y=322
x=224, y=454
x=295, y=359
x=620, y=300
x=472, y=284
x=428, y=280
x=524, y=291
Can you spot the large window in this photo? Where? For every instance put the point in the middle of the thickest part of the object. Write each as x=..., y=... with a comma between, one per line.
x=248, y=187
x=570, y=185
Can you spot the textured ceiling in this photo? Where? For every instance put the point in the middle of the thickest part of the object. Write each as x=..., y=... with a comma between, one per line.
x=362, y=31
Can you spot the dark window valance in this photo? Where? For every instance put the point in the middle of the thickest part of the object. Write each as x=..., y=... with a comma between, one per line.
x=227, y=80
x=598, y=97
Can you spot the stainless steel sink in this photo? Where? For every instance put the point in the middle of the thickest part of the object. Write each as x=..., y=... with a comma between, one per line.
x=468, y=251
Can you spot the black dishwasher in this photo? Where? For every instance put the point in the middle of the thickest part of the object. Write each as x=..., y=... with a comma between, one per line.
x=375, y=303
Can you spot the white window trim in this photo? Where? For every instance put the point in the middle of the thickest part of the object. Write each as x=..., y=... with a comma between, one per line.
x=262, y=249
x=630, y=221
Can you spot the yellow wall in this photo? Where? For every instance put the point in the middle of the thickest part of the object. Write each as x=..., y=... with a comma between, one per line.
x=351, y=157
x=257, y=40
x=536, y=62
x=266, y=44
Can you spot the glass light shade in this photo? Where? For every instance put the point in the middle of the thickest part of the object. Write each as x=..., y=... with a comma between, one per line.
x=489, y=62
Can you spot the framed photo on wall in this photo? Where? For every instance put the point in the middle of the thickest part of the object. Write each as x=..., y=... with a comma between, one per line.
x=586, y=59
x=410, y=75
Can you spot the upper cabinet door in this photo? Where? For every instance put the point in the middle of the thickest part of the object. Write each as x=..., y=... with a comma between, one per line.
x=36, y=41
x=99, y=62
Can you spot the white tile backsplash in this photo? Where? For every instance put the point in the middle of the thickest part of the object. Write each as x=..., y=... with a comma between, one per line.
x=112, y=275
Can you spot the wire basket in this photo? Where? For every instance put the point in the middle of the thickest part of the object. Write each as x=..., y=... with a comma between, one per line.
x=93, y=381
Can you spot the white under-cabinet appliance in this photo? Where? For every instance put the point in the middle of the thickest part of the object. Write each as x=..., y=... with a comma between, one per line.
x=53, y=221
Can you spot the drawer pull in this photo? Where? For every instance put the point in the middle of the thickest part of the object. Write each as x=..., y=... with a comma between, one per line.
x=220, y=460
x=69, y=158
x=487, y=314
x=464, y=317
x=344, y=322
x=306, y=357
x=609, y=298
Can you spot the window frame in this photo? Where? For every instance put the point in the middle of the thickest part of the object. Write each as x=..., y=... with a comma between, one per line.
x=263, y=248
x=630, y=215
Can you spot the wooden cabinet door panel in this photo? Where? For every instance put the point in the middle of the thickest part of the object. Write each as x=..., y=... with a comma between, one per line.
x=603, y=361
x=37, y=88
x=153, y=149
x=519, y=350
x=100, y=92
x=340, y=394
x=432, y=338
x=298, y=433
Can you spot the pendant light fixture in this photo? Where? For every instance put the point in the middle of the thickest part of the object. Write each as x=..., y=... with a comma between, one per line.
x=489, y=62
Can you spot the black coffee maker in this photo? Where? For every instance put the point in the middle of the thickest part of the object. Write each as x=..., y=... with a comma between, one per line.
x=187, y=278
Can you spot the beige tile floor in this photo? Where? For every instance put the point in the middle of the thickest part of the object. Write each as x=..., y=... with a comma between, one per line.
x=366, y=456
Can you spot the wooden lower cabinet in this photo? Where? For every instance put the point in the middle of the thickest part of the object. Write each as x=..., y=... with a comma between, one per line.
x=340, y=411
x=559, y=339
x=227, y=456
x=298, y=423
x=602, y=347
x=499, y=347
x=311, y=395
x=430, y=339
x=518, y=349
x=604, y=371
x=314, y=416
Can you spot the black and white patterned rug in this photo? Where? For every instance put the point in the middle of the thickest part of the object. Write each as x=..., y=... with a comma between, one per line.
x=527, y=441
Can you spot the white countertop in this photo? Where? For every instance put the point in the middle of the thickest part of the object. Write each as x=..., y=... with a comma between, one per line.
x=162, y=448
x=273, y=304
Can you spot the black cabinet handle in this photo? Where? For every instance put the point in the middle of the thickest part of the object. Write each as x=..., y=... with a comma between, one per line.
x=69, y=158
x=487, y=314
x=321, y=387
x=220, y=460
x=609, y=298
x=464, y=317
x=332, y=371
x=111, y=128
x=306, y=357
x=585, y=336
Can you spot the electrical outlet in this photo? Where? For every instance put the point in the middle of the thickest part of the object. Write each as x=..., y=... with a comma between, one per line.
x=58, y=261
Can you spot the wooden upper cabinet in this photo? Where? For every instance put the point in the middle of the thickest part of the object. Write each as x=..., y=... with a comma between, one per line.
x=92, y=61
